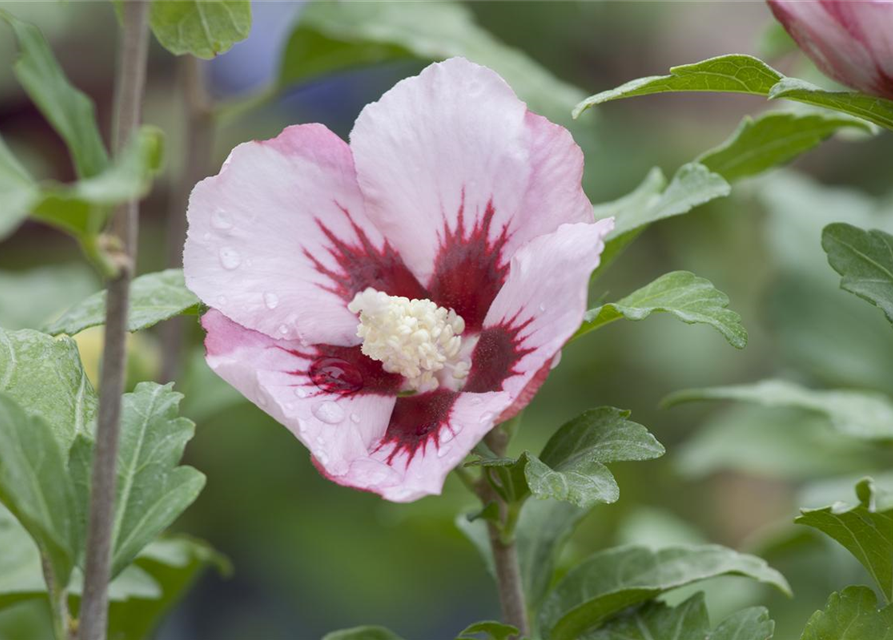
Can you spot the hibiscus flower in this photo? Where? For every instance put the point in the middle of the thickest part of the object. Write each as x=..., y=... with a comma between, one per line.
x=391, y=300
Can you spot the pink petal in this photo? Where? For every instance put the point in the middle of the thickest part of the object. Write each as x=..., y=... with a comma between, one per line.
x=850, y=41
x=279, y=241
x=458, y=174
x=400, y=448
x=415, y=474
x=337, y=428
x=539, y=308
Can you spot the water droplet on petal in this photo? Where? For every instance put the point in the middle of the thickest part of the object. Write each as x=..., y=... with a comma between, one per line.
x=302, y=427
x=542, y=307
x=300, y=392
x=221, y=220
x=476, y=400
x=329, y=412
x=230, y=258
x=271, y=300
x=334, y=375
x=487, y=417
x=262, y=401
x=442, y=451
x=283, y=329
x=446, y=436
x=354, y=418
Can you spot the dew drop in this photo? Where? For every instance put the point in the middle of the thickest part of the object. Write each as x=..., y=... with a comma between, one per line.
x=322, y=456
x=329, y=412
x=302, y=427
x=487, y=417
x=271, y=300
x=476, y=400
x=542, y=307
x=262, y=401
x=221, y=220
x=354, y=418
x=334, y=375
x=230, y=258
x=446, y=436
x=283, y=329
x=207, y=237
x=300, y=392
x=442, y=451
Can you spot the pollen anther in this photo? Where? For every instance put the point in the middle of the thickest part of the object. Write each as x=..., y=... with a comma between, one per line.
x=414, y=338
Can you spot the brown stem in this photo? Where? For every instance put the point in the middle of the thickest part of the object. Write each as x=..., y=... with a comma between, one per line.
x=130, y=82
x=199, y=136
x=505, y=553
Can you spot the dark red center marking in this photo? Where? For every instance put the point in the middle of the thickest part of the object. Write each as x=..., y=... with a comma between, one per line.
x=338, y=370
x=470, y=269
x=362, y=265
x=416, y=422
x=496, y=356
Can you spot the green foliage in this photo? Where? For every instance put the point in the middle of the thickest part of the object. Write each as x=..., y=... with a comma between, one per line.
x=851, y=614
x=571, y=466
x=17, y=192
x=543, y=529
x=34, y=486
x=615, y=579
x=45, y=376
x=20, y=574
x=865, y=530
x=331, y=37
x=203, y=28
x=489, y=629
x=682, y=294
x=865, y=260
x=362, y=633
x=653, y=200
x=746, y=74
x=154, y=297
x=67, y=109
x=859, y=414
x=687, y=621
x=173, y=563
x=772, y=139
x=152, y=491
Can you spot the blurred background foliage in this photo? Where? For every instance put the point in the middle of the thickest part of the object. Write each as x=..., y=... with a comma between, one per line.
x=310, y=556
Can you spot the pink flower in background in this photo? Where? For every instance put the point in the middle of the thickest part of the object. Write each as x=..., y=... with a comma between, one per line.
x=851, y=41
x=390, y=300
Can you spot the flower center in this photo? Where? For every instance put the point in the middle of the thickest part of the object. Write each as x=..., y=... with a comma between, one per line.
x=415, y=338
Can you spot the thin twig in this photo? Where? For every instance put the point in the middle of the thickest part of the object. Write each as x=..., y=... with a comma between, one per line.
x=129, y=83
x=199, y=137
x=502, y=543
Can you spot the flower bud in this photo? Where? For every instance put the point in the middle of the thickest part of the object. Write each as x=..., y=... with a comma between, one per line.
x=850, y=40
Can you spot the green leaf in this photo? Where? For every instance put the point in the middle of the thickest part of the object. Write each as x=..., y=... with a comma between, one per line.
x=203, y=28
x=682, y=294
x=20, y=572
x=174, y=564
x=492, y=630
x=67, y=109
x=745, y=74
x=860, y=414
x=730, y=73
x=656, y=620
x=154, y=297
x=34, y=485
x=45, y=375
x=615, y=579
x=686, y=621
x=749, y=624
x=653, y=200
x=331, y=37
x=49, y=290
x=152, y=491
x=17, y=192
x=772, y=139
x=851, y=614
x=865, y=530
x=543, y=529
x=572, y=465
x=362, y=633
x=865, y=260
x=83, y=207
